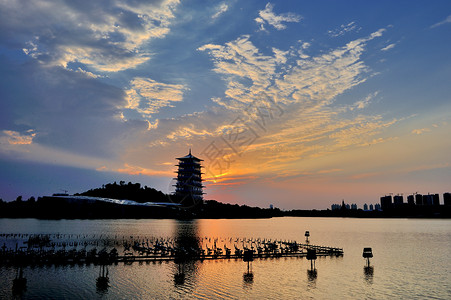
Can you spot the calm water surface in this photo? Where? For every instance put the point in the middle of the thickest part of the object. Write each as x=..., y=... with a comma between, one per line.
x=412, y=260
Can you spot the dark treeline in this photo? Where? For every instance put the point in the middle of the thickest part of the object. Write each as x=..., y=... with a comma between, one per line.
x=214, y=209
x=60, y=208
x=129, y=191
x=67, y=208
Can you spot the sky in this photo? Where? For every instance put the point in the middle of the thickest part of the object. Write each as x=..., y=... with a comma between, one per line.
x=299, y=104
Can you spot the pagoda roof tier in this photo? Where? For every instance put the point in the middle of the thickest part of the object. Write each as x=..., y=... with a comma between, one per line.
x=190, y=156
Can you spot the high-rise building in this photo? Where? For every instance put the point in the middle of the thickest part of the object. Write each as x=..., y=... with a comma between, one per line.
x=447, y=198
x=418, y=199
x=188, y=189
x=398, y=200
x=386, y=202
x=411, y=200
x=427, y=199
x=435, y=199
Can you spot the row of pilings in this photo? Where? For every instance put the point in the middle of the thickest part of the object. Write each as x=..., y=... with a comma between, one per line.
x=59, y=249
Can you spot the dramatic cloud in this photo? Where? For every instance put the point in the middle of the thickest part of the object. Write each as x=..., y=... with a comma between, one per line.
x=284, y=106
x=67, y=110
x=123, y=87
x=311, y=81
x=104, y=36
x=267, y=16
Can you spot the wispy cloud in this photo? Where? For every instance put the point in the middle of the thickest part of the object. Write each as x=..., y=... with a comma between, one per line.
x=312, y=125
x=446, y=21
x=311, y=81
x=388, y=47
x=147, y=96
x=267, y=16
x=137, y=170
x=361, y=104
x=222, y=8
x=420, y=131
x=343, y=29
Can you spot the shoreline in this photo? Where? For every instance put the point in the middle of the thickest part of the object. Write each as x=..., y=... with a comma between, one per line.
x=57, y=209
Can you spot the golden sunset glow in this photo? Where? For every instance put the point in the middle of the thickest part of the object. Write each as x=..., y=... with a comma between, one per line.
x=285, y=104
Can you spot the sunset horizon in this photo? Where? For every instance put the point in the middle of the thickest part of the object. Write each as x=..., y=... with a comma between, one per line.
x=298, y=106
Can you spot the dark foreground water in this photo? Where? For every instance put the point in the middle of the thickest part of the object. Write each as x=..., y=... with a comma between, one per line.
x=412, y=260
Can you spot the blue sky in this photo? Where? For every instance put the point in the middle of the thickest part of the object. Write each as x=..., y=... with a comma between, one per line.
x=299, y=104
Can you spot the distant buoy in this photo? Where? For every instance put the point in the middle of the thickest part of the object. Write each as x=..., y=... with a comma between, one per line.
x=307, y=234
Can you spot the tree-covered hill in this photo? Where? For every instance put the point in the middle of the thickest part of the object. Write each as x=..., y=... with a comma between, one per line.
x=129, y=191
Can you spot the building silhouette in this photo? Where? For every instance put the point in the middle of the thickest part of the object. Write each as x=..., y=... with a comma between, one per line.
x=418, y=199
x=427, y=199
x=189, y=188
x=447, y=198
x=386, y=202
x=435, y=199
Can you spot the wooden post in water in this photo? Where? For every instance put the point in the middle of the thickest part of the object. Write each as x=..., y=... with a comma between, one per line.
x=311, y=255
x=367, y=253
x=248, y=256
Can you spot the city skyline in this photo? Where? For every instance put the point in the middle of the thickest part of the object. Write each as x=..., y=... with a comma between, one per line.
x=294, y=104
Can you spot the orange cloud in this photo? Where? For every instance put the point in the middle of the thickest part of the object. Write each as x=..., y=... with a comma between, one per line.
x=136, y=170
x=15, y=138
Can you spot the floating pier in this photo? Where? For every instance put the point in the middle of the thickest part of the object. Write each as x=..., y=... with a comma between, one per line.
x=64, y=249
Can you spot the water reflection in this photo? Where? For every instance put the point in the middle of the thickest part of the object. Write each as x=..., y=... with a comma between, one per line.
x=187, y=243
x=102, y=282
x=248, y=277
x=311, y=276
x=179, y=276
x=19, y=283
x=368, y=274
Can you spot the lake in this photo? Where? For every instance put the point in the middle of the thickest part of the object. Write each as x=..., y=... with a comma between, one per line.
x=411, y=261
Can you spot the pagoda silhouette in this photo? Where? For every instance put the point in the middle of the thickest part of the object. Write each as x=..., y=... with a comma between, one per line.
x=188, y=189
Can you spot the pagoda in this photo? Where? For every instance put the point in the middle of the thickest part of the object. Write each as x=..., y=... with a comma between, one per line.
x=188, y=189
